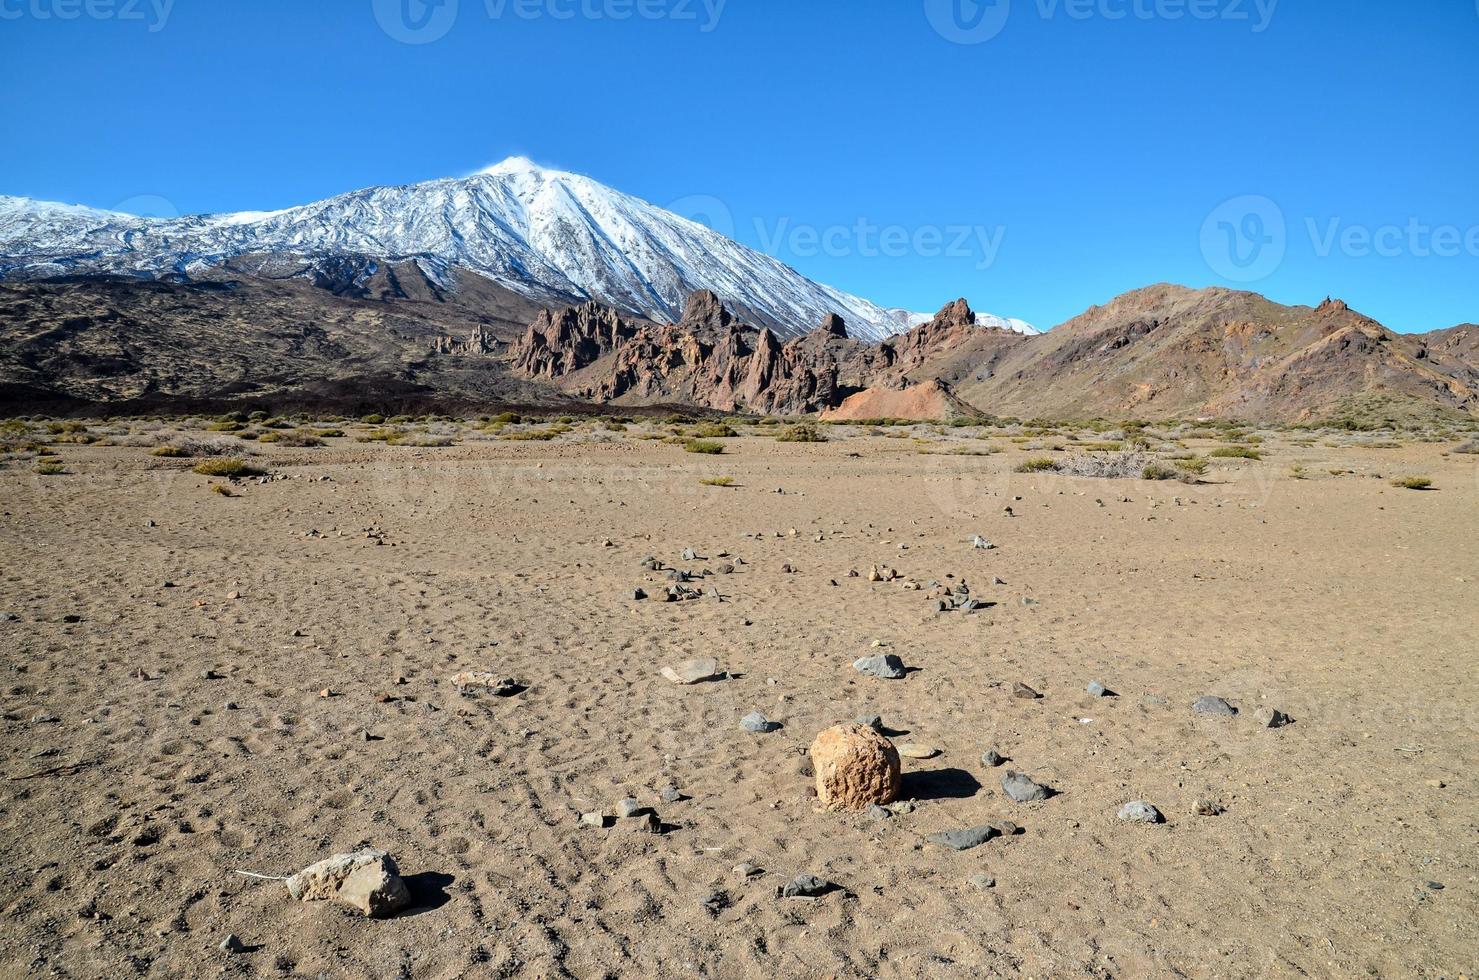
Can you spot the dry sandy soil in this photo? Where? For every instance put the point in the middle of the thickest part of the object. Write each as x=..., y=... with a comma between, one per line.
x=135, y=785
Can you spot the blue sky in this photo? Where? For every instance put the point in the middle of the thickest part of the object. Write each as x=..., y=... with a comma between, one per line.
x=1069, y=151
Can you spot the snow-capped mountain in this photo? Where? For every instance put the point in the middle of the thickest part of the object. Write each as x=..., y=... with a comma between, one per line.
x=543, y=233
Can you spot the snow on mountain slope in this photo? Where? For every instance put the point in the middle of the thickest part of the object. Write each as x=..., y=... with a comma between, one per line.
x=540, y=232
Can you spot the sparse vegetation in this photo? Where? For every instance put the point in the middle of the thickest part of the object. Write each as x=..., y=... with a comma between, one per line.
x=298, y=439
x=168, y=452
x=1038, y=464
x=1413, y=483
x=1159, y=471
x=50, y=469
x=1235, y=452
x=714, y=430
x=704, y=446
x=222, y=489
x=717, y=481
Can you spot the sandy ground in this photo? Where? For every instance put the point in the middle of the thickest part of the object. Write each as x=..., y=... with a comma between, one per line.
x=1350, y=604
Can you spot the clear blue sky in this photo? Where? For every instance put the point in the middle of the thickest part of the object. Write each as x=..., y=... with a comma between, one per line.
x=1096, y=146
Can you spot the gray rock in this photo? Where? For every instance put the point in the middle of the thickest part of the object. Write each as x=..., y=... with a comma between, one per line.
x=877, y=812
x=692, y=671
x=1098, y=690
x=671, y=794
x=992, y=758
x=593, y=819
x=231, y=944
x=981, y=544
x=638, y=595
x=1215, y=707
x=628, y=807
x=366, y=880
x=1140, y=811
x=886, y=666
x=690, y=555
x=871, y=721
x=1020, y=787
x=758, y=723
x=1020, y=690
x=983, y=881
x=644, y=822
x=964, y=839
x=806, y=886
x=1271, y=718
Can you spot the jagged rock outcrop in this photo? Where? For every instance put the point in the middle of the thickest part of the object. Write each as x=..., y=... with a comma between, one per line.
x=711, y=359
x=561, y=341
x=479, y=341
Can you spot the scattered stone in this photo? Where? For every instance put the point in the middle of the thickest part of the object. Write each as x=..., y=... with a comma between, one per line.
x=855, y=768
x=879, y=813
x=1209, y=808
x=628, y=807
x=871, y=721
x=1020, y=690
x=367, y=880
x=1216, y=707
x=726, y=569
x=981, y=544
x=901, y=807
x=913, y=751
x=638, y=595
x=1022, y=789
x=1098, y=690
x=716, y=902
x=747, y=870
x=651, y=564
x=1140, y=811
x=992, y=758
x=806, y=886
x=757, y=723
x=964, y=839
x=645, y=822
x=885, y=666
x=692, y=671
x=470, y=682
x=1434, y=886
x=983, y=881
x=593, y=819
x=45, y=718
x=671, y=794
x=231, y=944
x=1271, y=718
x=690, y=555
x=209, y=675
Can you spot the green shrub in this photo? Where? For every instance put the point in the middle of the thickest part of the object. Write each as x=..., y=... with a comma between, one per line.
x=704, y=446
x=227, y=466
x=1414, y=483
x=801, y=432
x=717, y=481
x=1159, y=471
x=50, y=469
x=714, y=430
x=168, y=452
x=1235, y=452
x=1038, y=464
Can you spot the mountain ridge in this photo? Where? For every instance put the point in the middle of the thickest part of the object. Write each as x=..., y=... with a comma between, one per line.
x=550, y=235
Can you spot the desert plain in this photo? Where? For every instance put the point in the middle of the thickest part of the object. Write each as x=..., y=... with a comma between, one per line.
x=205, y=690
